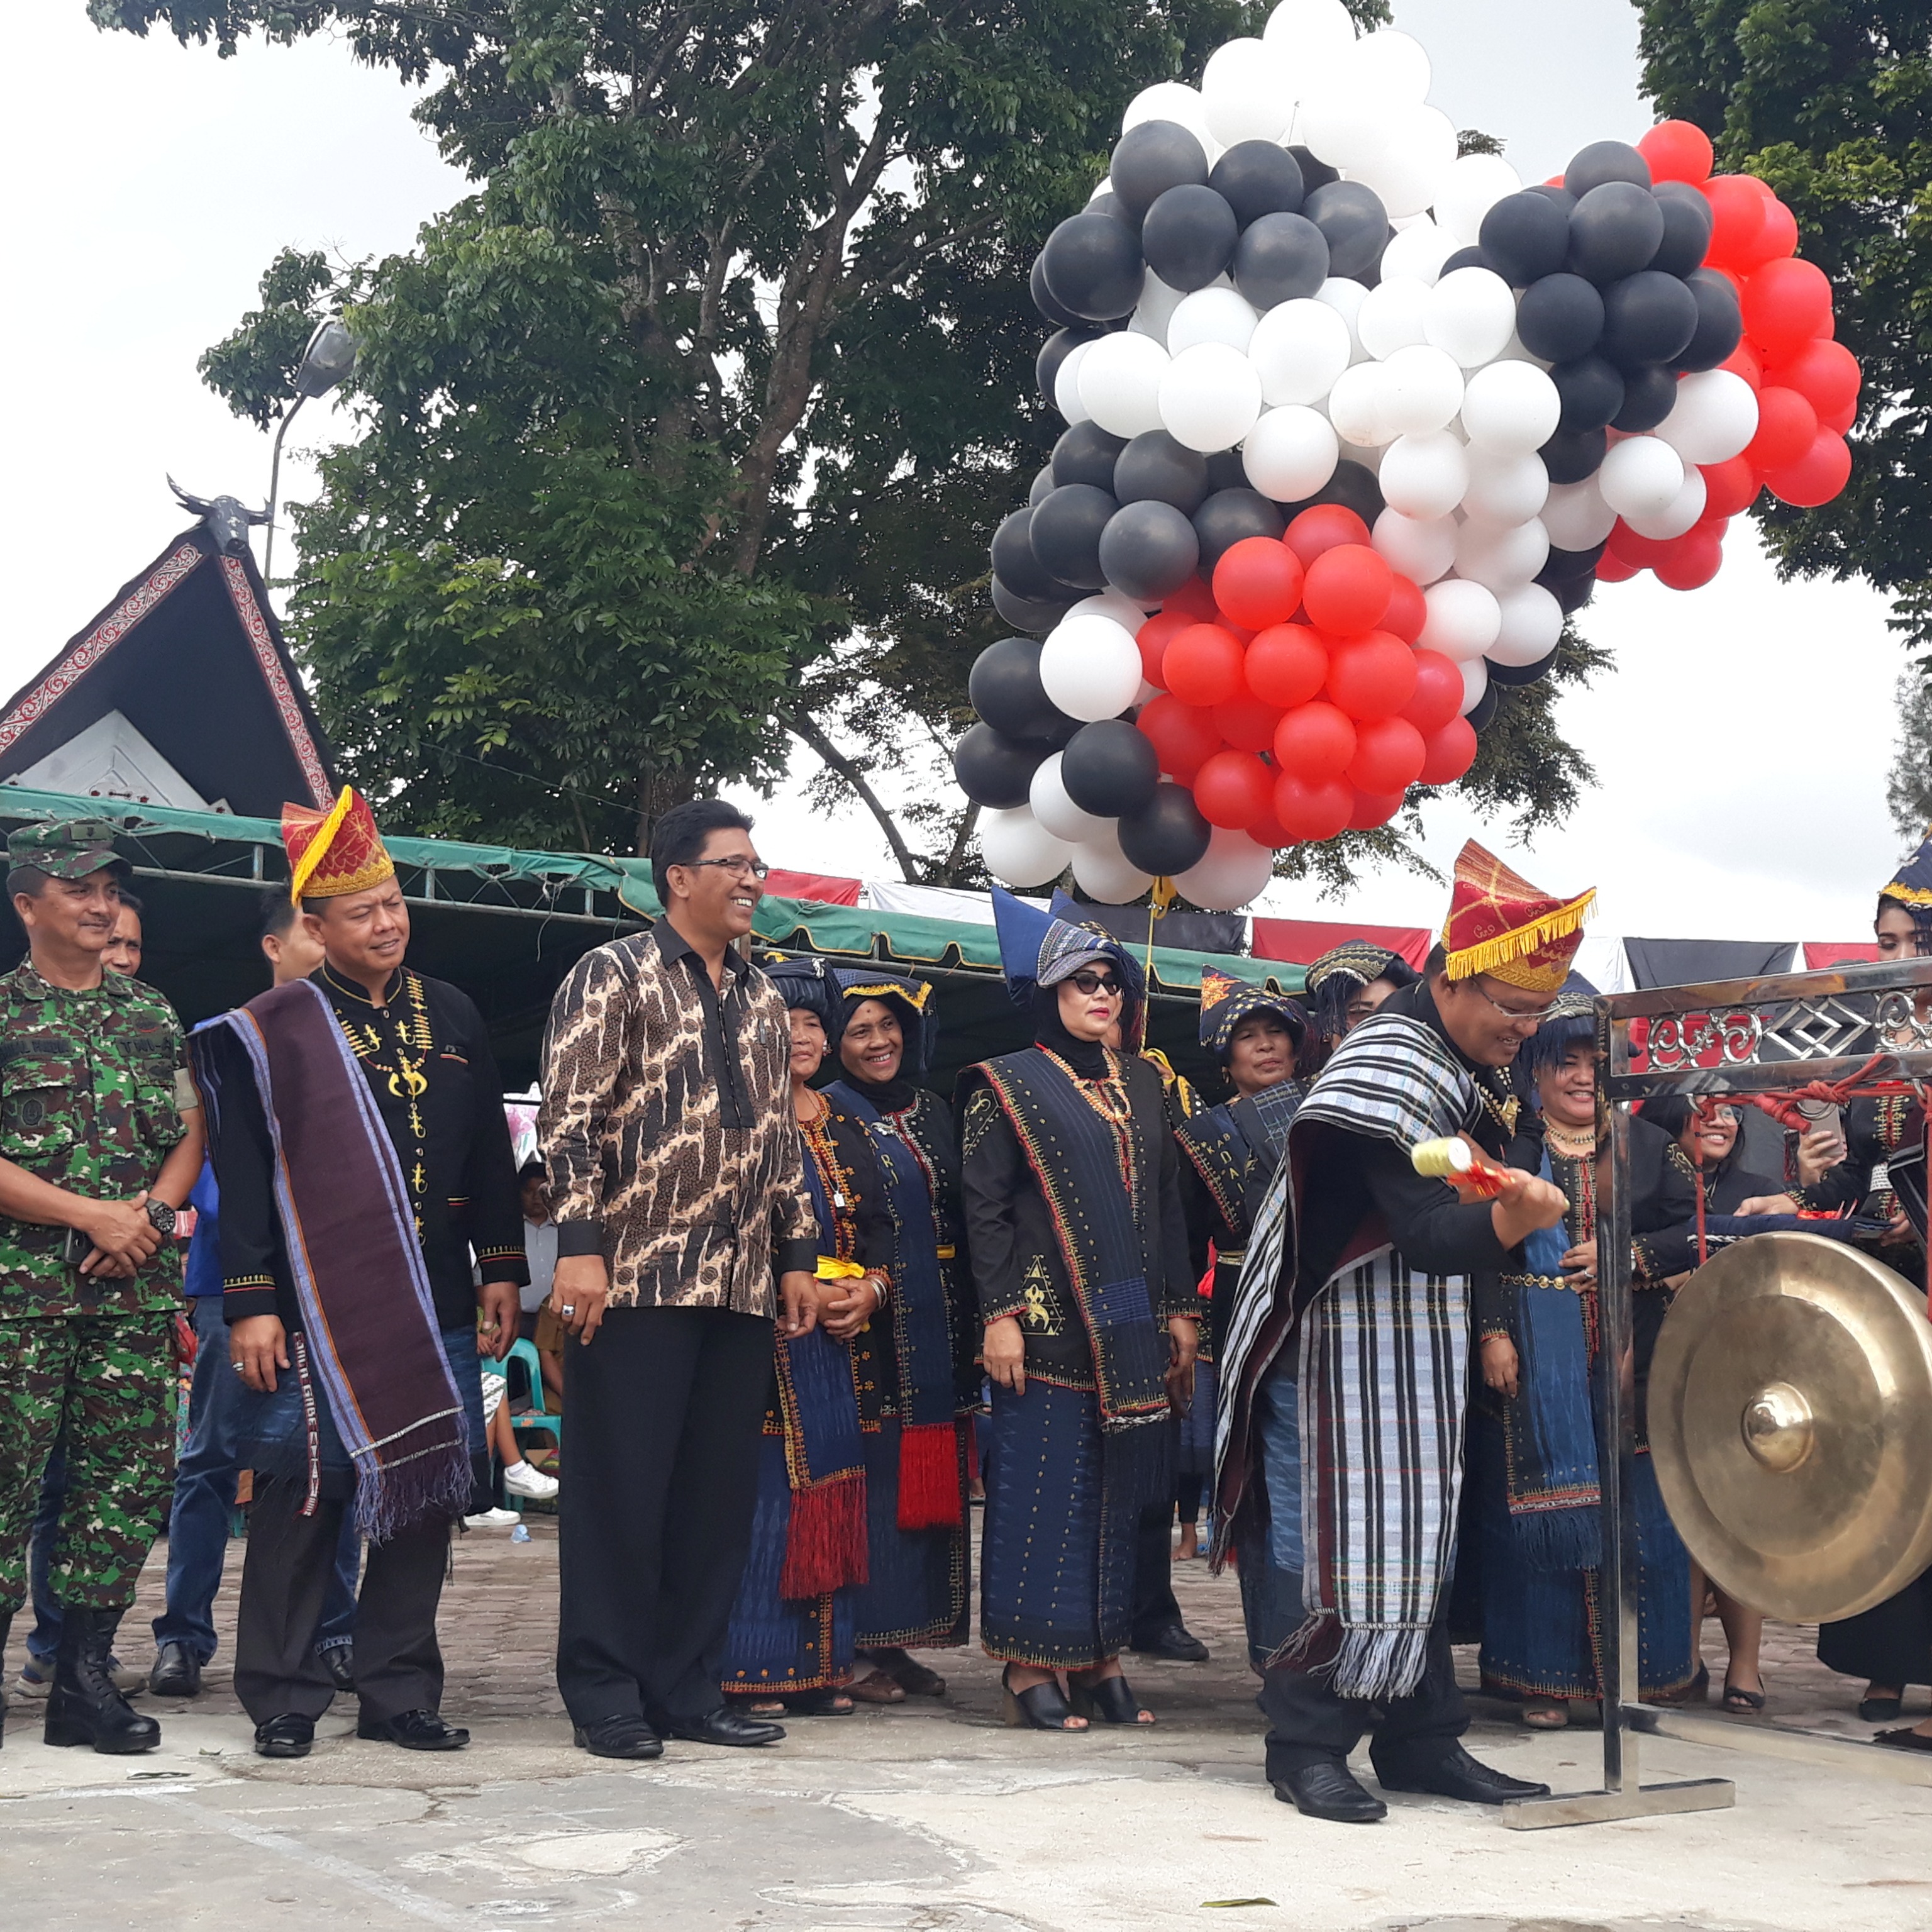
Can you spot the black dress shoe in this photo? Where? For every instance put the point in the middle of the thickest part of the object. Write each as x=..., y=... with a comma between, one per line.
x=414, y=1730
x=726, y=1726
x=1451, y=1772
x=1329, y=1791
x=338, y=1660
x=618, y=1737
x=1174, y=1641
x=177, y=1671
x=288, y=1735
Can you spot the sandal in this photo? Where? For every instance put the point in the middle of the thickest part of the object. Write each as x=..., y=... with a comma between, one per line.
x=912, y=1678
x=825, y=1703
x=1109, y=1699
x=1546, y=1713
x=1904, y=1740
x=1742, y=1703
x=763, y=1707
x=1880, y=1710
x=1042, y=1708
x=1697, y=1691
x=876, y=1688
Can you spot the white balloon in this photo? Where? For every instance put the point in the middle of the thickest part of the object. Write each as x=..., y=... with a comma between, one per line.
x=1115, y=604
x=1419, y=250
x=1504, y=487
x=1247, y=92
x=1120, y=383
x=1210, y=397
x=1155, y=309
x=1416, y=152
x=1212, y=315
x=1390, y=66
x=1511, y=405
x=1346, y=298
x=1340, y=125
x=1464, y=619
x=1422, y=389
x=1502, y=556
x=1066, y=384
x=1532, y=622
x=1357, y=405
x=1640, y=477
x=1391, y=315
x=1309, y=30
x=1230, y=873
x=1090, y=667
x=1105, y=873
x=1422, y=548
x=1576, y=516
x=1290, y=453
x=1471, y=314
x=1424, y=475
x=1679, y=514
x=1047, y=799
x=1471, y=187
x=1299, y=348
x=1019, y=851
x=1168, y=101
x=1475, y=681
x=1714, y=415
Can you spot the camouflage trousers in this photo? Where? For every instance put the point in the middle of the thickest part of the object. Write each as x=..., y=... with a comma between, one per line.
x=108, y=1381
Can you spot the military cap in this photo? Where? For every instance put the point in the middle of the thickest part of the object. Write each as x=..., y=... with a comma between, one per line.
x=68, y=848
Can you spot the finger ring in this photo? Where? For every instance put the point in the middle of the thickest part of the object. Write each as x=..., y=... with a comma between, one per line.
x=240, y=1368
x=568, y=1309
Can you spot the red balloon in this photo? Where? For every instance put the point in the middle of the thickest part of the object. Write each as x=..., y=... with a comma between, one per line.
x=1287, y=664
x=1826, y=374
x=1407, y=612
x=1371, y=811
x=1247, y=723
x=1786, y=423
x=1194, y=598
x=1257, y=582
x=1184, y=738
x=1611, y=569
x=1448, y=753
x=1321, y=527
x=1778, y=237
x=1233, y=789
x=1268, y=830
x=1729, y=488
x=1744, y=360
x=1372, y=677
x=1786, y=304
x=1818, y=475
x=1737, y=213
x=1678, y=150
x=1153, y=637
x=1694, y=558
x=1389, y=756
x=1641, y=552
x=1315, y=742
x=1348, y=590
x=1203, y=665
x=1439, y=692
x=1312, y=810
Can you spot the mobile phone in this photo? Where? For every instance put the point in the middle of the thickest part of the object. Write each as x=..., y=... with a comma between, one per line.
x=75, y=1248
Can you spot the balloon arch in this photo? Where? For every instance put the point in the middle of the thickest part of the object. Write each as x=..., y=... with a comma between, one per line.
x=1352, y=425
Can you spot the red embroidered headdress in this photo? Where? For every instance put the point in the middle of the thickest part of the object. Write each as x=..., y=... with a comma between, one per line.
x=1501, y=925
x=333, y=852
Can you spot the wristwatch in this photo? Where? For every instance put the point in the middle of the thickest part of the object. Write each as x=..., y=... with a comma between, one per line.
x=161, y=1216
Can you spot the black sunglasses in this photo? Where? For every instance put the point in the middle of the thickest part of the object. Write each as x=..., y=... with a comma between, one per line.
x=1091, y=981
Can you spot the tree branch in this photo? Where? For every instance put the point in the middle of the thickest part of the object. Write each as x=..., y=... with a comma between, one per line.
x=806, y=729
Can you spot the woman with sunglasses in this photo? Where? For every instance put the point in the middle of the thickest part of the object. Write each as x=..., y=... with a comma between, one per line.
x=1072, y=1201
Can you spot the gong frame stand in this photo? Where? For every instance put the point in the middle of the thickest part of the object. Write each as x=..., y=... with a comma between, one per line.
x=1733, y=1037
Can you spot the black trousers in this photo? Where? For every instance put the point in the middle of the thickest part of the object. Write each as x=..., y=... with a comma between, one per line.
x=1154, y=1605
x=666, y=1406
x=1308, y=1723
x=285, y=1578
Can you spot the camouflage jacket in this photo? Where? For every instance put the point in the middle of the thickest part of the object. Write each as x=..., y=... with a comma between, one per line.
x=92, y=1087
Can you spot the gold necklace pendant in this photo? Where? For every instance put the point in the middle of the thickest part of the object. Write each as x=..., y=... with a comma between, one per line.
x=409, y=1080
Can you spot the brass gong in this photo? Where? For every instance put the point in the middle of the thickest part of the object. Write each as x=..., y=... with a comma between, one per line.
x=1790, y=1418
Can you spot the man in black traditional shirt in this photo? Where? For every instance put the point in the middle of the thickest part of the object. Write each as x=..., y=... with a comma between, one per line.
x=363, y=1156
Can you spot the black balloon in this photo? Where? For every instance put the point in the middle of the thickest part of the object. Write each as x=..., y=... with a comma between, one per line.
x=1648, y=317
x=1603, y=161
x=1564, y=564
x=1044, y=299
x=1150, y=159
x=1484, y=710
x=1226, y=471
x=1279, y=258
x=1558, y=197
x=1004, y=688
x=1015, y=566
x=1353, y=486
x=1085, y=454
x=1092, y=267
x=1615, y=230
x=1649, y=393
x=1031, y=613
x=1720, y=325
x=1258, y=178
x=1315, y=172
x=1065, y=533
x=1528, y=673
x=1110, y=768
x=993, y=770
x=1154, y=468
x=1228, y=516
x=1571, y=454
x=1571, y=593
x=1188, y=237
x=1527, y=236
x=1043, y=485
x=1149, y=550
x=1469, y=258
x=1055, y=350
x=1591, y=390
x=1687, y=228
x=1167, y=835
x=1107, y=202
x=1354, y=223
x=1559, y=317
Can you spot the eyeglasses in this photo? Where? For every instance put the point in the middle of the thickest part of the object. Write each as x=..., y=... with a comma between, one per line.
x=739, y=867
x=1090, y=982
x=1532, y=1019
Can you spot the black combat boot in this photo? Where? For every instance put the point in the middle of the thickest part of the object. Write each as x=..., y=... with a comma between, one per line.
x=84, y=1707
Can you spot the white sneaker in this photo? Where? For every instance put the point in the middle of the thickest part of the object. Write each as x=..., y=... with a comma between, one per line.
x=492, y=1519
x=520, y=1479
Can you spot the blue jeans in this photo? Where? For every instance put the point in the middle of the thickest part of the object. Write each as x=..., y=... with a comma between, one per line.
x=205, y=1484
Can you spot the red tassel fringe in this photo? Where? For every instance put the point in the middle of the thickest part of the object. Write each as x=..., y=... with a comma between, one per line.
x=929, y=1477
x=825, y=1548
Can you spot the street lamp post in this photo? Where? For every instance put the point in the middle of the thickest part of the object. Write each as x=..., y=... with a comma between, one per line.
x=328, y=358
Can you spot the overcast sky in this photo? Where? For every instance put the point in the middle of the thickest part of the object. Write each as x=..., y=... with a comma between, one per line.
x=1741, y=743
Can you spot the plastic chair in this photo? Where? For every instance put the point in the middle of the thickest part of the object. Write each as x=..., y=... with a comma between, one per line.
x=537, y=1417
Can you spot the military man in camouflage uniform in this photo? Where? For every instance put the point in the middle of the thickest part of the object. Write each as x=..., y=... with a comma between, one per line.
x=100, y=1142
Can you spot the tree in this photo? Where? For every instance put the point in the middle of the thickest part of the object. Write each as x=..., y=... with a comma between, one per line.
x=1908, y=785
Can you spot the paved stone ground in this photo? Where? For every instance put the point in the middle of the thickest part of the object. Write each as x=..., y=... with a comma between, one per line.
x=928, y=1815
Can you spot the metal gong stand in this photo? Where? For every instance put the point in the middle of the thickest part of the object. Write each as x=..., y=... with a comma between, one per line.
x=1737, y=1037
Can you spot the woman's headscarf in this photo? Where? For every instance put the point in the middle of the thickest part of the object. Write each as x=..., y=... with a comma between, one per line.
x=1573, y=1017
x=1038, y=952
x=1911, y=887
x=911, y=1001
x=1343, y=971
x=1226, y=1002
x=808, y=987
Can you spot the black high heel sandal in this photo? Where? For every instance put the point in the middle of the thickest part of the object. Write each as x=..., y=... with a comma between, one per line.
x=1039, y=1708
x=1108, y=1700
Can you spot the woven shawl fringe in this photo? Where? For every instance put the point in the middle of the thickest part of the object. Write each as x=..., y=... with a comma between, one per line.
x=1505, y=946
x=928, y=1476
x=1377, y=1661
x=1558, y=1539
x=432, y=1486
x=825, y=1546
